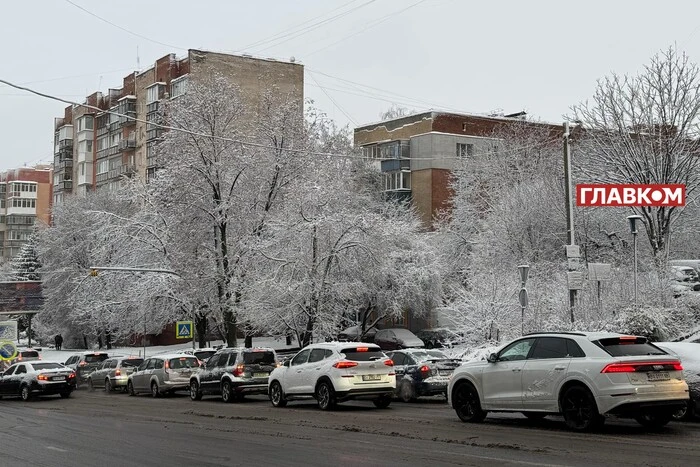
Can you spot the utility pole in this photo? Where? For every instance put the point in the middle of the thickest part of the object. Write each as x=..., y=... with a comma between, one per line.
x=572, y=251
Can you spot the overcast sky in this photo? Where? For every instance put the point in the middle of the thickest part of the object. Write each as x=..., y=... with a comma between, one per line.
x=360, y=56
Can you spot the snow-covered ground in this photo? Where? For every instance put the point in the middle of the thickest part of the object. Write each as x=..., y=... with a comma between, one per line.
x=53, y=355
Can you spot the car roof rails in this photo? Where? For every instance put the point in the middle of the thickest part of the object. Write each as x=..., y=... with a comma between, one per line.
x=570, y=333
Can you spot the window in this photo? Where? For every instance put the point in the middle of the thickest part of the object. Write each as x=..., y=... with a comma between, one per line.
x=550, y=347
x=85, y=123
x=573, y=349
x=153, y=93
x=10, y=371
x=158, y=364
x=102, y=143
x=301, y=357
x=150, y=364
x=222, y=362
x=628, y=346
x=517, y=350
x=465, y=150
x=212, y=362
x=21, y=369
x=316, y=355
x=398, y=359
x=102, y=167
x=178, y=87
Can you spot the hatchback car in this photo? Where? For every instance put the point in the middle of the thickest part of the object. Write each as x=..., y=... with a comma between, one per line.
x=85, y=363
x=334, y=372
x=162, y=374
x=582, y=376
x=36, y=378
x=421, y=372
x=26, y=355
x=233, y=373
x=113, y=373
x=354, y=334
x=397, y=338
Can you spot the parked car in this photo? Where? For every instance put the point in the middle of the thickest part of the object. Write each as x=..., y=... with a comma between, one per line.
x=85, y=363
x=26, y=355
x=113, y=373
x=421, y=372
x=36, y=378
x=684, y=279
x=583, y=376
x=333, y=372
x=397, y=338
x=439, y=338
x=234, y=372
x=202, y=354
x=689, y=353
x=354, y=334
x=162, y=374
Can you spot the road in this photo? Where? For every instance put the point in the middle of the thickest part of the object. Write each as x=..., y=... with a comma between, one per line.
x=94, y=428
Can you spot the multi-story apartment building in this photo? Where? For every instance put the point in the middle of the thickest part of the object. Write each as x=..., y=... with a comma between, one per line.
x=96, y=149
x=25, y=200
x=417, y=153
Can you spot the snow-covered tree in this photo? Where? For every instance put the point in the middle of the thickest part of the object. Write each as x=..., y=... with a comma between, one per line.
x=26, y=264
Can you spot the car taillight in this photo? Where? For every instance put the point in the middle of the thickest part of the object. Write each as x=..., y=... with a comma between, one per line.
x=71, y=375
x=167, y=366
x=633, y=367
x=389, y=362
x=239, y=370
x=344, y=364
x=42, y=377
x=424, y=371
x=117, y=372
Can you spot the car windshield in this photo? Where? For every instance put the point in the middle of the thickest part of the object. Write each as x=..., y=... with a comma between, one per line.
x=429, y=355
x=261, y=357
x=29, y=354
x=47, y=366
x=132, y=362
x=183, y=362
x=96, y=358
x=363, y=354
x=628, y=346
x=204, y=354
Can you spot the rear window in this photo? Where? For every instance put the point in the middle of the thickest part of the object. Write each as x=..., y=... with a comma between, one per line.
x=132, y=362
x=29, y=354
x=259, y=358
x=429, y=355
x=183, y=362
x=363, y=354
x=95, y=358
x=204, y=354
x=47, y=366
x=628, y=346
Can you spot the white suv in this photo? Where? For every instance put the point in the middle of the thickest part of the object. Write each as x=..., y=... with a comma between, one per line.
x=333, y=372
x=582, y=376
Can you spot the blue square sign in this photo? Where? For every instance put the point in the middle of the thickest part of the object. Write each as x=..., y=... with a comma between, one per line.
x=183, y=330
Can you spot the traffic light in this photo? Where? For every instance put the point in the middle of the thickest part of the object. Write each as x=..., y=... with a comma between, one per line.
x=93, y=272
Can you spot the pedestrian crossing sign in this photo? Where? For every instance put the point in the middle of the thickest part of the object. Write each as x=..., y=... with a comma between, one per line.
x=183, y=330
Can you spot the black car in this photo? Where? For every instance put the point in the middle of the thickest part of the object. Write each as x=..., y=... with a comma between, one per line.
x=439, y=338
x=422, y=372
x=85, y=363
x=37, y=378
x=352, y=334
x=397, y=338
x=234, y=372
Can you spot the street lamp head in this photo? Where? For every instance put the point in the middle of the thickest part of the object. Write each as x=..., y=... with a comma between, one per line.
x=633, y=223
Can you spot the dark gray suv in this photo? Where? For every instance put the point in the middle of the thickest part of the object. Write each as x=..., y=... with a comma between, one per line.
x=234, y=372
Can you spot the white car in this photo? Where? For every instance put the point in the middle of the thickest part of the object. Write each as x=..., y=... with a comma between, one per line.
x=333, y=372
x=582, y=376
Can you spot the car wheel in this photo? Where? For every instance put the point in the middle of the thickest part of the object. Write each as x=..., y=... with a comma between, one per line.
x=406, y=392
x=65, y=394
x=580, y=410
x=90, y=385
x=277, y=395
x=227, y=391
x=535, y=415
x=154, y=389
x=130, y=388
x=195, y=393
x=324, y=396
x=25, y=393
x=383, y=402
x=108, y=386
x=466, y=403
x=654, y=421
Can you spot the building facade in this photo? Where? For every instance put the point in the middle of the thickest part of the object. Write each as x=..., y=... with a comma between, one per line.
x=417, y=153
x=25, y=200
x=96, y=149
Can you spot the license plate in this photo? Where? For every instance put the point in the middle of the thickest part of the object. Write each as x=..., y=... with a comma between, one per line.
x=261, y=375
x=659, y=376
x=371, y=377
x=58, y=378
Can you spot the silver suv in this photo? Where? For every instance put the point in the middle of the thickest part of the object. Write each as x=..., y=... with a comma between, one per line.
x=113, y=373
x=583, y=376
x=162, y=374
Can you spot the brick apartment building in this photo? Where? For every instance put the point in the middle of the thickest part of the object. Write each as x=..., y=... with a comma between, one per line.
x=95, y=149
x=417, y=153
x=25, y=200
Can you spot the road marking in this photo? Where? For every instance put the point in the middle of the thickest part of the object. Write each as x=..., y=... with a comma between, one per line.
x=53, y=448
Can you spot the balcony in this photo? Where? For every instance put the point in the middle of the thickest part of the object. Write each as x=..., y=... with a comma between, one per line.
x=110, y=151
x=153, y=134
x=63, y=164
x=65, y=185
x=395, y=165
x=129, y=119
x=152, y=107
x=114, y=126
x=127, y=144
x=64, y=148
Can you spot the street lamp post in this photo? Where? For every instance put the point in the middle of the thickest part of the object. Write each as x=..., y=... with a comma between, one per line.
x=633, y=228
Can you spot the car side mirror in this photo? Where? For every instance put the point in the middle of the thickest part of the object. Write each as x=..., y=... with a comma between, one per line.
x=493, y=358
x=286, y=364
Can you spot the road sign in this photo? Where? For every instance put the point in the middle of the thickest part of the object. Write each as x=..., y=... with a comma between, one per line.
x=599, y=272
x=183, y=330
x=575, y=280
x=8, y=350
x=522, y=296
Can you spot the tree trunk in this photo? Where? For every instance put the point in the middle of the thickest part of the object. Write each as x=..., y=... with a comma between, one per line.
x=200, y=325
